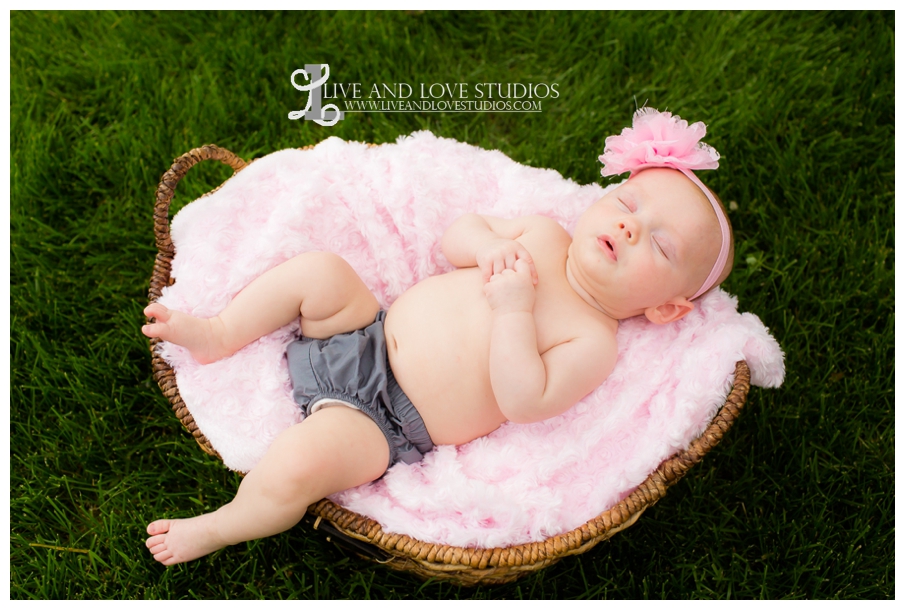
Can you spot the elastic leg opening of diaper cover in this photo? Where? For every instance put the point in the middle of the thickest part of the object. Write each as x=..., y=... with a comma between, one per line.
x=326, y=402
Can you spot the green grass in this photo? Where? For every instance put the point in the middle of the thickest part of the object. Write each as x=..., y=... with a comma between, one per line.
x=797, y=503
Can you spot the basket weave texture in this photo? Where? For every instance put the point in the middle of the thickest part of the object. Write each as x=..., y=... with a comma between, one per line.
x=467, y=566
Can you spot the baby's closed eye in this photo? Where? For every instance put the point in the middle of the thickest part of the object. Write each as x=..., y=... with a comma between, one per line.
x=627, y=204
x=663, y=246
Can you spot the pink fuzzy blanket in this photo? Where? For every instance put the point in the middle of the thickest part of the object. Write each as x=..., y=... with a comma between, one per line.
x=384, y=210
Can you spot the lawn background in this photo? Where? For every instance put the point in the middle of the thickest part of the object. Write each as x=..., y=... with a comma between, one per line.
x=797, y=502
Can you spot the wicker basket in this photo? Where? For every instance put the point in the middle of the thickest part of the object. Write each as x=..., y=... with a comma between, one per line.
x=465, y=566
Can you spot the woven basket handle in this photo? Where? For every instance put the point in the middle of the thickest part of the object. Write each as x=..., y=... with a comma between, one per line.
x=165, y=191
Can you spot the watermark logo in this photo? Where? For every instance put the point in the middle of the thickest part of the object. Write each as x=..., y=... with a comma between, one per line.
x=414, y=97
x=328, y=115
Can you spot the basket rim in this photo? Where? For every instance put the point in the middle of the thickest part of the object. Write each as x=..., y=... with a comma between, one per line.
x=432, y=559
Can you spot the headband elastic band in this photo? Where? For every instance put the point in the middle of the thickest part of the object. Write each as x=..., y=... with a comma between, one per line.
x=723, y=256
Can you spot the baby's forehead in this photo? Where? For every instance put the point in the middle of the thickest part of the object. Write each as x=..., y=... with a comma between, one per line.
x=663, y=177
x=669, y=191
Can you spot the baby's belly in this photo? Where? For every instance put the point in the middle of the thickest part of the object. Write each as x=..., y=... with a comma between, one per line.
x=438, y=337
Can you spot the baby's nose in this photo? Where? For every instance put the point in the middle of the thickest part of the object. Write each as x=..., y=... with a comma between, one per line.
x=629, y=230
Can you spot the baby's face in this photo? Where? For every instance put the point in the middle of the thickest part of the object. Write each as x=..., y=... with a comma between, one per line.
x=653, y=239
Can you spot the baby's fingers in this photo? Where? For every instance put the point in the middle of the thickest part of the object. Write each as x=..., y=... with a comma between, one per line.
x=498, y=265
x=511, y=257
x=527, y=264
x=522, y=266
x=486, y=271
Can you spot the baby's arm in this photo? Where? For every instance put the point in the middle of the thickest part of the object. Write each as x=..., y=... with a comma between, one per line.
x=527, y=385
x=488, y=243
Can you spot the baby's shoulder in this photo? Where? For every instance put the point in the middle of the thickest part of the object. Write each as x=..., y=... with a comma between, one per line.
x=544, y=233
x=544, y=224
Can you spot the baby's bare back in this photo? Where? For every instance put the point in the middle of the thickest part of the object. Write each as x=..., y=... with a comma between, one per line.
x=438, y=336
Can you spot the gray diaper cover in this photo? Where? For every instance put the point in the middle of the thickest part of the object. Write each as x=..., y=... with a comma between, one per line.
x=353, y=368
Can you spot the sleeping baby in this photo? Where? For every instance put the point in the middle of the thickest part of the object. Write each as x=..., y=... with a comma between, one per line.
x=522, y=330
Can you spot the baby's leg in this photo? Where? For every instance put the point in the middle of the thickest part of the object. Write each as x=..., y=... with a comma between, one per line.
x=319, y=286
x=335, y=448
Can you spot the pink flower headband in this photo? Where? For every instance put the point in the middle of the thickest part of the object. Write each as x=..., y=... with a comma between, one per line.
x=659, y=139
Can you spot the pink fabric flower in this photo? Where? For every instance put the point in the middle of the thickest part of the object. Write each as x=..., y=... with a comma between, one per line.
x=658, y=139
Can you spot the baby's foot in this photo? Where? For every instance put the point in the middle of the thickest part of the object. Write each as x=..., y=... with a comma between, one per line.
x=202, y=336
x=180, y=540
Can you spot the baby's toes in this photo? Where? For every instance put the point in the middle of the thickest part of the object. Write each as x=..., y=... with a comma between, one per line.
x=158, y=311
x=157, y=549
x=161, y=526
x=165, y=557
x=154, y=330
x=154, y=541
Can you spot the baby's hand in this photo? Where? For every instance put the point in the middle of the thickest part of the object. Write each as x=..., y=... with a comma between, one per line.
x=503, y=254
x=511, y=290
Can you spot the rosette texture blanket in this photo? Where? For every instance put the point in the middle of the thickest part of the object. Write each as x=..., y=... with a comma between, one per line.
x=384, y=209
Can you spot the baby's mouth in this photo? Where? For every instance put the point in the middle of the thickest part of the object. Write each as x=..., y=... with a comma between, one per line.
x=607, y=244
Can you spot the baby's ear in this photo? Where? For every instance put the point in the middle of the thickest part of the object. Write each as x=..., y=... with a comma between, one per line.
x=670, y=311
